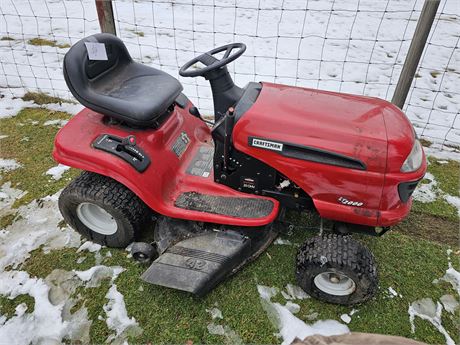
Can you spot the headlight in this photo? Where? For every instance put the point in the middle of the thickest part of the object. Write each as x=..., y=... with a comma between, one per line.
x=414, y=160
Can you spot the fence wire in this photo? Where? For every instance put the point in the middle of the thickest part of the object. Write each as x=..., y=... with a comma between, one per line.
x=351, y=46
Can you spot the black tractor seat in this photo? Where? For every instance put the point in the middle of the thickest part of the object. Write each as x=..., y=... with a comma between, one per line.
x=119, y=87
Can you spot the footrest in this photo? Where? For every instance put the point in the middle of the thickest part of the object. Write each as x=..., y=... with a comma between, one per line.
x=197, y=264
x=223, y=205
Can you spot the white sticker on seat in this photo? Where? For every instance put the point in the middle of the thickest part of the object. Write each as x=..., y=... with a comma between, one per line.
x=96, y=51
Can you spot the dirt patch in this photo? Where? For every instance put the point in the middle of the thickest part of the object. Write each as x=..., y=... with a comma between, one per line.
x=433, y=228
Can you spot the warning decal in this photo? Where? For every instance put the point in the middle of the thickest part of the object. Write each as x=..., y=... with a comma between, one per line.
x=201, y=164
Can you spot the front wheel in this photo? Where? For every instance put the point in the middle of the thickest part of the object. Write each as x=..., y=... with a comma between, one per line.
x=337, y=269
x=103, y=210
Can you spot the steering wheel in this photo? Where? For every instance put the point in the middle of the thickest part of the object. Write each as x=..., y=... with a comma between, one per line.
x=212, y=62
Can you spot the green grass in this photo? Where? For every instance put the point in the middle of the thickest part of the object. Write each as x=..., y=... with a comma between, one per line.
x=41, y=98
x=410, y=257
x=37, y=41
x=168, y=316
x=31, y=144
x=447, y=176
x=6, y=38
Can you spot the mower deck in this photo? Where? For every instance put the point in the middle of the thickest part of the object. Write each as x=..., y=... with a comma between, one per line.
x=199, y=263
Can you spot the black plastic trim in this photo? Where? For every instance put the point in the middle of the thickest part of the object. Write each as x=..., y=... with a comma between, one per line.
x=405, y=190
x=312, y=154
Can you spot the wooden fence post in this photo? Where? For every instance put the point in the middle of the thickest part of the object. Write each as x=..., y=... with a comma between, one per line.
x=415, y=52
x=105, y=14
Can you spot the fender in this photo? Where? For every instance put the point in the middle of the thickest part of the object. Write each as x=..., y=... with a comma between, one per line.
x=165, y=178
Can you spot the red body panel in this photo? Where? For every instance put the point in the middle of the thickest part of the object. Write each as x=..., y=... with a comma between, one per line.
x=165, y=179
x=354, y=126
x=367, y=129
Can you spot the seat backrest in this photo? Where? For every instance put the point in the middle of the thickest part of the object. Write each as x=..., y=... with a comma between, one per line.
x=79, y=70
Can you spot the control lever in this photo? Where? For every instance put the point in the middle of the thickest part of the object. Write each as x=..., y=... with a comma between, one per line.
x=124, y=147
x=195, y=112
x=229, y=122
x=129, y=140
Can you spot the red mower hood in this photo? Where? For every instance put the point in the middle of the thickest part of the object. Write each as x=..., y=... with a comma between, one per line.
x=344, y=124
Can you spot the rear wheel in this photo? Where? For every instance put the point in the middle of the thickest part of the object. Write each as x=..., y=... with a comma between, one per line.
x=103, y=210
x=337, y=269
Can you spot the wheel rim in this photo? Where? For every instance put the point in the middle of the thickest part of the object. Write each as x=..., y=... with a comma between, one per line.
x=333, y=283
x=96, y=218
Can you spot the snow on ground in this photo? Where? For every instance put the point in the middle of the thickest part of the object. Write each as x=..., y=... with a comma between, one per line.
x=392, y=293
x=291, y=326
x=37, y=225
x=11, y=104
x=365, y=47
x=450, y=303
x=225, y=331
x=96, y=274
x=90, y=247
x=57, y=171
x=117, y=316
x=215, y=313
x=345, y=318
x=51, y=320
x=8, y=196
x=8, y=164
x=429, y=192
x=454, y=201
x=58, y=122
x=452, y=276
x=427, y=310
x=426, y=192
x=294, y=292
x=281, y=241
x=44, y=323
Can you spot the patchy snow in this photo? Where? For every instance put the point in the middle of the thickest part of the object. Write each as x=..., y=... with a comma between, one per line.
x=294, y=308
x=281, y=241
x=215, y=313
x=345, y=318
x=90, y=247
x=392, y=293
x=427, y=310
x=57, y=171
x=58, y=122
x=8, y=164
x=426, y=192
x=223, y=330
x=8, y=196
x=450, y=303
x=96, y=274
x=117, y=316
x=451, y=276
x=442, y=152
x=289, y=325
x=43, y=325
x=294, y=292
x=380, y=32
x=3, y=136
x=36, y=226
x=454, y=201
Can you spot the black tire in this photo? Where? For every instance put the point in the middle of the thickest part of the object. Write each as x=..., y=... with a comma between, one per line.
x=340, y=255
x=143, y=252
x=129, y=212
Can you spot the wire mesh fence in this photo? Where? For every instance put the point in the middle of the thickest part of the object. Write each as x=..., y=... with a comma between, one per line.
x=352, y=46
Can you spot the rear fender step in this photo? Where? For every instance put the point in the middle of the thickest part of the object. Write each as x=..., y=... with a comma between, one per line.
x=199, y=263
